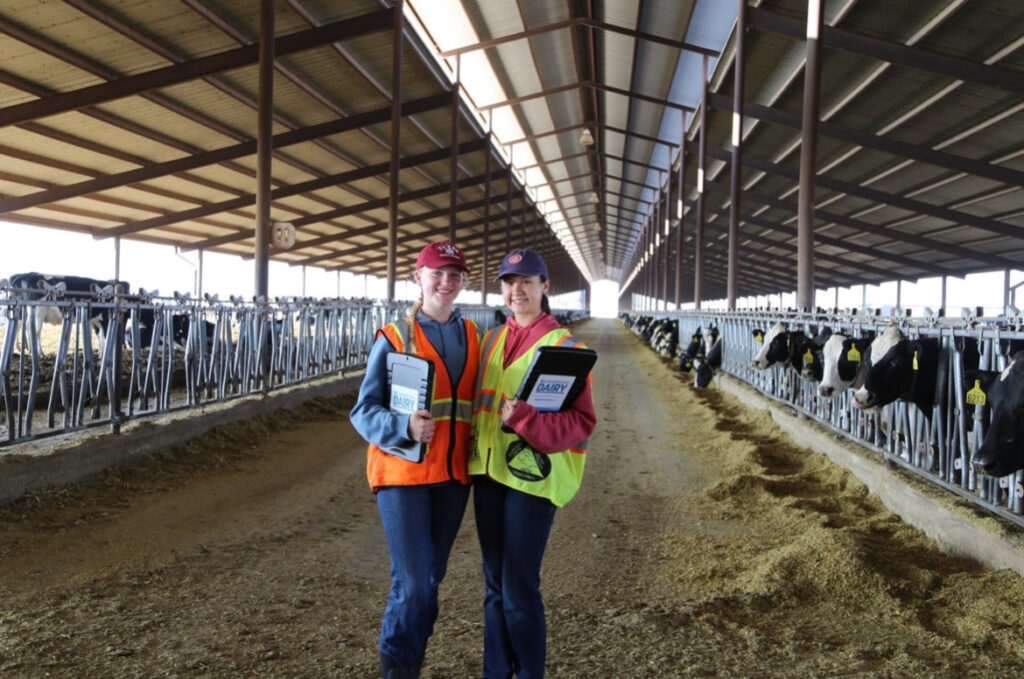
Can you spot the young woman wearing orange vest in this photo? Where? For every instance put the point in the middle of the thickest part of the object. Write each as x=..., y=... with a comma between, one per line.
x=521, y=478
x=421, y=504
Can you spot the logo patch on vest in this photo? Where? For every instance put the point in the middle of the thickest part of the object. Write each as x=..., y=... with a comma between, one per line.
x=525, y=463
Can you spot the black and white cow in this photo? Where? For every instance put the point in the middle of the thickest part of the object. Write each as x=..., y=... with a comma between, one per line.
x=793, y=348
x=806, y=357
x=900, y=368
x=144, y=319
x=665, y=336
x=775, y=346
x=709, y=359
x=1001, y=452
x=844, y=362
x=691, y=351
x=38, y=287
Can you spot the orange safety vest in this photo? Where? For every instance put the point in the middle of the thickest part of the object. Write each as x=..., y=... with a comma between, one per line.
x=453, y=413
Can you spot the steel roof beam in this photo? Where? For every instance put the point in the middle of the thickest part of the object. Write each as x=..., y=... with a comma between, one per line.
x=191, y=70
x=234, y=152
x=894, y=53
x=280, y=192
x=949, y=161
x=873, y=195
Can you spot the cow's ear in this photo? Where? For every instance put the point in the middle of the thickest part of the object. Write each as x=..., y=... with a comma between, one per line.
x=759, y=336
x=977, y=384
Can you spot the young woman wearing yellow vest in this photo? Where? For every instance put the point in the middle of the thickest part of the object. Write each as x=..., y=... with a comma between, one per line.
x=421, y=504
x=520, y=478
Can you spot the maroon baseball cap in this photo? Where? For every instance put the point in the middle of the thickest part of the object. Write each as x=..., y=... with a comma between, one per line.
x=440, y=255
x=522, y=263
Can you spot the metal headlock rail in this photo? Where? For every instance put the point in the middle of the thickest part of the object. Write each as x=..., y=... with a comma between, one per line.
x=176, y=353
x=937, y=448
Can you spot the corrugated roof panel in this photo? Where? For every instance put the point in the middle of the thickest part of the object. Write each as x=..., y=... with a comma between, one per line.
x=615, y=60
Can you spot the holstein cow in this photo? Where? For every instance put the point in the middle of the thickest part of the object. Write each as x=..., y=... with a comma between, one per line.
x=1001, y=452
x=709, y=359
x=806, y=357
x=36, y=286
x=181, y=324
x=665, y=337
x=775, y=347
x=691, y=351
x=900, y=368
x=793, y=348
x=844, y=364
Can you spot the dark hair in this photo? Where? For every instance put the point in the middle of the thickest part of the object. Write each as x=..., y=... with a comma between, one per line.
x=545, y=305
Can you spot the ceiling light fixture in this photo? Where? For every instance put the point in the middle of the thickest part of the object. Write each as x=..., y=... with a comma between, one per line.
x=594, y=198
x=586, y=138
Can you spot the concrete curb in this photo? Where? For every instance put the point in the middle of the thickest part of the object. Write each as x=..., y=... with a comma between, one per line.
x=919, y=507
x=61, y=460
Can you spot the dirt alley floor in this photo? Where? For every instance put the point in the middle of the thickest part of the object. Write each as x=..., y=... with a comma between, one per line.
x=703, y=544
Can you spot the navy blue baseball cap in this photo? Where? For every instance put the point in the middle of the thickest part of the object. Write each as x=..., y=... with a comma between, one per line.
x=522, y=263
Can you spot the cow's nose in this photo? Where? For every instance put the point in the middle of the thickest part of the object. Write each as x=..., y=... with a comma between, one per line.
x=825, y=391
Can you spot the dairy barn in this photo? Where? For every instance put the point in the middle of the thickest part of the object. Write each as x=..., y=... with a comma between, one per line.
x=799, y=470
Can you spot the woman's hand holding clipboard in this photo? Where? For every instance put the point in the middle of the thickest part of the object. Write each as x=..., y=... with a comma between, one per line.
x=554, y=380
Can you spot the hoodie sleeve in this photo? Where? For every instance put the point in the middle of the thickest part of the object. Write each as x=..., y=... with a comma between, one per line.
x=554, y=432
x=371, y=417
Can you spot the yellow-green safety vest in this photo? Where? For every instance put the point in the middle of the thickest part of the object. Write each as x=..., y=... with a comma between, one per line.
x=507, y=458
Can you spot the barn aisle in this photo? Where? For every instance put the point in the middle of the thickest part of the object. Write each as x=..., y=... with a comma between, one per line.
x=703, y=543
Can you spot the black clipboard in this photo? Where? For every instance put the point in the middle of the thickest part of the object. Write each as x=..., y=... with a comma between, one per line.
x=410, y=385
x=556, y=378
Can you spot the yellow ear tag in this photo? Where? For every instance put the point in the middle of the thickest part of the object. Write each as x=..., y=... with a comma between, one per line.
x=915, y=360
x=976, y=397
x=759, y=338
x=853, y=356
x=809, y=356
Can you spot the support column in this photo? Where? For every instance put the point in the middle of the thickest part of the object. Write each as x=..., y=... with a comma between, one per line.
x=396, y=135
x=735, y=173
x=264, y=147
x=679, y=213
x=665, y=226
x=508, y=209
x=485, y=275
x=453, y=193
x=809, y=159
x=702, y=157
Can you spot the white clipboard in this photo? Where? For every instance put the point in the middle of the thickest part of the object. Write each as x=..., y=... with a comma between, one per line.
x=410, y=385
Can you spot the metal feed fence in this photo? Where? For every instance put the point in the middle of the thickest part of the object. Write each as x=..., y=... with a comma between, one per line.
x=154, y=355
x=938, y=448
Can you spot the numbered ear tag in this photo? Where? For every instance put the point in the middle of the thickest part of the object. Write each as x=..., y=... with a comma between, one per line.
x=976, y=397
x=853, y=356
x=915, y=360
x=759, y=338
x=809, y=356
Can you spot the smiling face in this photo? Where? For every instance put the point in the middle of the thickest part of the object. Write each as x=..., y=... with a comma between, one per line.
x=523, y=294
x=440, y=288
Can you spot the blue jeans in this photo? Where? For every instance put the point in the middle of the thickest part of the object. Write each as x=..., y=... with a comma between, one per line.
x=420, y=524
x=513, y=528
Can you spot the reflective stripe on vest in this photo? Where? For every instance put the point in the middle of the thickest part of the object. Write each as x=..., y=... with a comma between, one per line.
x=504, y=457
x=452, y=413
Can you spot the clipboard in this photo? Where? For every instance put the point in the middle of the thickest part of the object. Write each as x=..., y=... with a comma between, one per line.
x=555, y=378
x=410, y=385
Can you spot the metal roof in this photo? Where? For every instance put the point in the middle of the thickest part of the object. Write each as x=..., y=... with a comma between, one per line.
x=137, y=119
